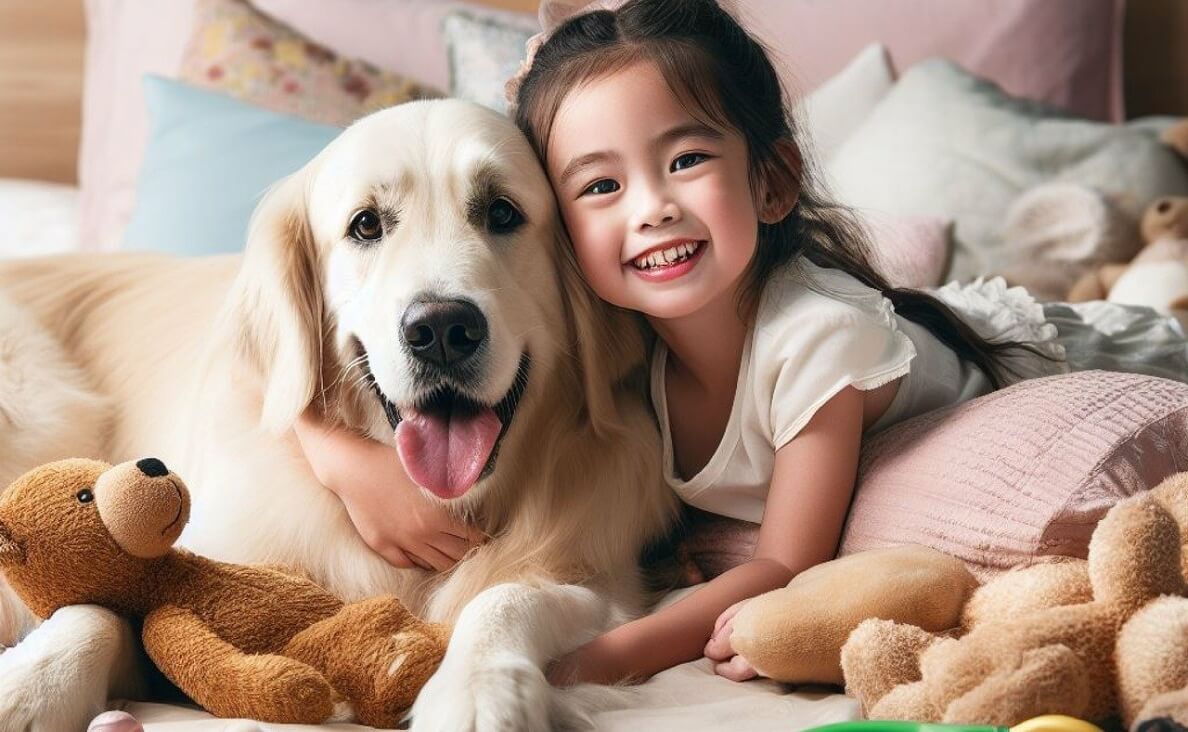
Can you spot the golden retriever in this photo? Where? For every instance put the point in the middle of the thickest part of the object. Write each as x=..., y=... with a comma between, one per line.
x=411, y=283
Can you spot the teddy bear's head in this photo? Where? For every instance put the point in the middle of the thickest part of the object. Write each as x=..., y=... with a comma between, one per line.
x=78, y=531
x=1166, y=218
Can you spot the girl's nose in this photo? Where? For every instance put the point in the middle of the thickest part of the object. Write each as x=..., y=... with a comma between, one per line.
x=658, y=210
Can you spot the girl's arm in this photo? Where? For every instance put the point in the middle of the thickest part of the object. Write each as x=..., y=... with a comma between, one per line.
x=811, y=486
x=391, y=513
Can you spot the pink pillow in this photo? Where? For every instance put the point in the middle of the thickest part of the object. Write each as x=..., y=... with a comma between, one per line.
x=1020, y=473
x=1001, y=480
x=126, y=39
x=911, y=251
x=1064, y=52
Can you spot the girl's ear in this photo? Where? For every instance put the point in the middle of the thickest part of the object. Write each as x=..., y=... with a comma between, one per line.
x=779, y=182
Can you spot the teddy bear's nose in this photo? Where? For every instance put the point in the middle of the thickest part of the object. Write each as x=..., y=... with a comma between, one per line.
x=1164, y=206
x=152, y=467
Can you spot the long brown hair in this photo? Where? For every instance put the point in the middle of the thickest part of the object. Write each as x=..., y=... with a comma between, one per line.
x=724, y=77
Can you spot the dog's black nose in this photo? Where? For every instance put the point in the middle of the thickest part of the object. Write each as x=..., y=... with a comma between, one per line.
x=152, y=467
x=443, y=332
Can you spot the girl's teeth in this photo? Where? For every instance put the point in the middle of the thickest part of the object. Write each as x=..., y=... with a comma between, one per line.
x=679, y=253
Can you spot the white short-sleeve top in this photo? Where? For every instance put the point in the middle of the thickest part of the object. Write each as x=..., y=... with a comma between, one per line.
x=816, y=332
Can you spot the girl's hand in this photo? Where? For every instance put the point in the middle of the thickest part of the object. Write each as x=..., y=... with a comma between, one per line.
x=391, y=513
x=728, y=663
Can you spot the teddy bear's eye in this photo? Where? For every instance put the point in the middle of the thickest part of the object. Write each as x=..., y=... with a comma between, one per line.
x=85, y=496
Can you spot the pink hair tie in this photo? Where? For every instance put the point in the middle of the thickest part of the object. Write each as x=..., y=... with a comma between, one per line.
x=551, y=15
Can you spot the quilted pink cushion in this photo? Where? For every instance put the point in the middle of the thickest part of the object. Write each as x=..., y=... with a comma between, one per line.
x=1023, y=472
x=998, y=481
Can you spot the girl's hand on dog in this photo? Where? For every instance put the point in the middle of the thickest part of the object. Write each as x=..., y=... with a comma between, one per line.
x=391, y=513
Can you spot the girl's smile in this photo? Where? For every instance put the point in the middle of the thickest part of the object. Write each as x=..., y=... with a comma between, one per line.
x=669, y=261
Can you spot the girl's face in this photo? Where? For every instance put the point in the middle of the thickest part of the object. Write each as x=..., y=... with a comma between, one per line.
x=659, y=206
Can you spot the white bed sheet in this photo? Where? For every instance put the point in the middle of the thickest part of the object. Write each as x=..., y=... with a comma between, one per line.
x=688, y=698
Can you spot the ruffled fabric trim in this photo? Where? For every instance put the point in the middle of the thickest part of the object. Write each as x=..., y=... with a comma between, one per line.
x=1000, y=313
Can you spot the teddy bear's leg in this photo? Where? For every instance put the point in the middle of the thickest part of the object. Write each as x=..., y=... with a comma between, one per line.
x=880, y=655
x=1048, y=680
x=907, y=702
x=229, y=682
x=1152, y=657
x=376, y=654
x=1021, y=592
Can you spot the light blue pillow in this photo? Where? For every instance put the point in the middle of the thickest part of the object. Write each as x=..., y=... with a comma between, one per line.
x=208, y=160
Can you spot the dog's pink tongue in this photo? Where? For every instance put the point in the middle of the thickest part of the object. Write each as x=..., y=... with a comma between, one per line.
x=446, y=454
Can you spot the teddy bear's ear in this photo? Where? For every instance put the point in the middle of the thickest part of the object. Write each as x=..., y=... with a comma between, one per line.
x=11, y=552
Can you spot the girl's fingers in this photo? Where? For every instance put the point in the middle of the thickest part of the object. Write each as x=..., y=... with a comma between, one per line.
x=394, y=556
x=728, y=614
x=419, y=562
x=467, y=532
x=439, y=561
x=451, y=546
x=736, y=669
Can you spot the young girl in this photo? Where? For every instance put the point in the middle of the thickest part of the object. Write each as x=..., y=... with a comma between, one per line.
x=663, y=128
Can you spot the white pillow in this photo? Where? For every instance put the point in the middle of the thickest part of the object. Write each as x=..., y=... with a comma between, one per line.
x=837, y=108
x=39, y=218
x=944, y=143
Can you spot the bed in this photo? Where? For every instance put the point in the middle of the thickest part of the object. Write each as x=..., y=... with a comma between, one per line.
x=1123, y=62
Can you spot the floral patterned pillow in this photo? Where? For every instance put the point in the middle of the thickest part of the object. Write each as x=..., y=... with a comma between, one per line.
x=237, y=50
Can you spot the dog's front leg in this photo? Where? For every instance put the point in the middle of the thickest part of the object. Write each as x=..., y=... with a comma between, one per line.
x=492, y=676
x=60, y=675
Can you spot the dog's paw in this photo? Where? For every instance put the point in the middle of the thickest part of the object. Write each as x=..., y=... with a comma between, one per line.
x=508, y=693
x=29, y=701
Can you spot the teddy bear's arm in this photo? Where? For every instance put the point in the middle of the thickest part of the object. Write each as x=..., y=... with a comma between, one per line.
x=229, y=682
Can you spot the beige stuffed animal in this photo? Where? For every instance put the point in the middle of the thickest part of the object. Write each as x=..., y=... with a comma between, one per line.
x=1158, y=276
x=795, y=634
x=1088, y=639
x=241, y=641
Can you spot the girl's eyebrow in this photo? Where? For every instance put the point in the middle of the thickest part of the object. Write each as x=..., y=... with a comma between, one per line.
x=582, y=162
x=691, y=129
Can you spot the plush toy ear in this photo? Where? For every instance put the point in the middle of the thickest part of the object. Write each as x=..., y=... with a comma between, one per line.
x=11, y=552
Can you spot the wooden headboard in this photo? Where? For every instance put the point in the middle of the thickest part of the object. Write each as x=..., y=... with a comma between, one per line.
x=41, y=62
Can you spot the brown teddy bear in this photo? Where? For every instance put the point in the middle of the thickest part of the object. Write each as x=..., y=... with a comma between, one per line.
x=241, y=641
x=1088, y=639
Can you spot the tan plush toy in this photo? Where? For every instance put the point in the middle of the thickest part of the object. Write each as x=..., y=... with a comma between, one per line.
x=1046, y=639
x=1158, y=275
x=241, y=641
x=795, y=634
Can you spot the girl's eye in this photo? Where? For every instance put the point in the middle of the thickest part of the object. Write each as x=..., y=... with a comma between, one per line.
x=366, y=226
x=688, y=160
x=602, y=187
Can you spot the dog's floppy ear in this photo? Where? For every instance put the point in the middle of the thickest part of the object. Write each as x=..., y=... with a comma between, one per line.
x=276, y=304
x=11, y=552
x=607, y=343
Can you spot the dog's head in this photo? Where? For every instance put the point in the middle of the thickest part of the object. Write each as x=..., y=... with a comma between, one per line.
x=414, y=281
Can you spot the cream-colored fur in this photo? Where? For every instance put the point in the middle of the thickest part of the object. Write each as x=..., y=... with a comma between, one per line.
x=207, y=362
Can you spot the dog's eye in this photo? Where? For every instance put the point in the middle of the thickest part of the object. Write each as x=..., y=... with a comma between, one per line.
x=503, y=217
x=366, y=226
x=85, y=496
